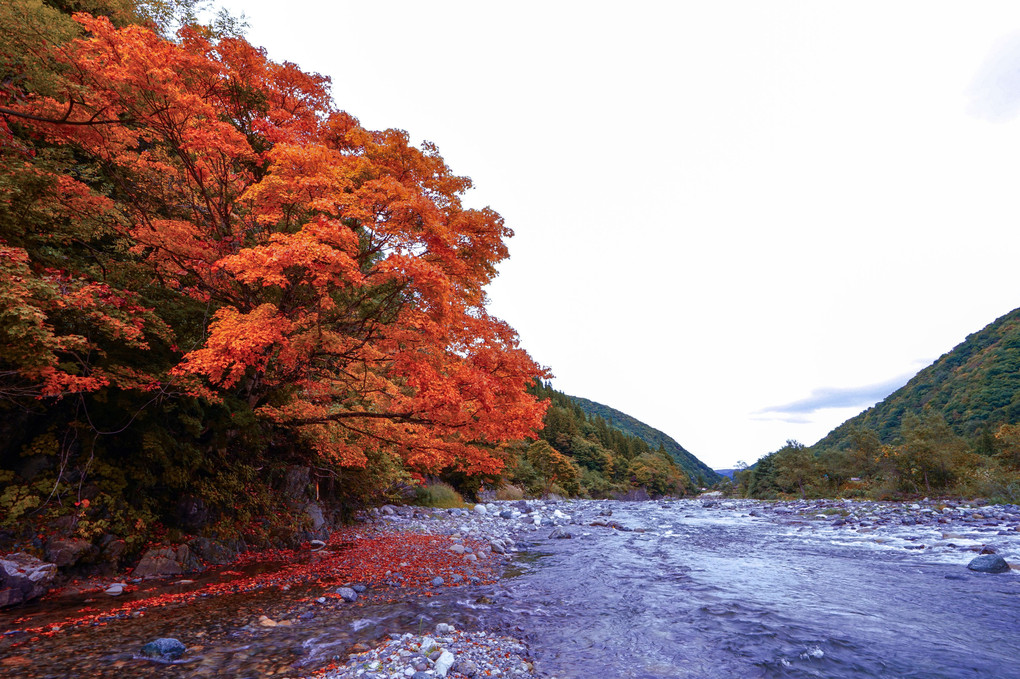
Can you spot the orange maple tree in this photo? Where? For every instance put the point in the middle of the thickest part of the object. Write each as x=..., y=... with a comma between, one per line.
x=343, y=278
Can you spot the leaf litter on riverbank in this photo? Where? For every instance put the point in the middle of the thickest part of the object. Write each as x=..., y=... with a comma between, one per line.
x=392, y=563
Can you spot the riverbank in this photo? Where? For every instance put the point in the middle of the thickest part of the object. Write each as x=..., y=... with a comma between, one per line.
x=289, y=611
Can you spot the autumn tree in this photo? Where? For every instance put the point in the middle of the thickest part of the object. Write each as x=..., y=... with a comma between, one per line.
x=190, y=220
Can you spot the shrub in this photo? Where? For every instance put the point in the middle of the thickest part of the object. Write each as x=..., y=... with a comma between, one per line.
x=509, y=492
x=439, y=494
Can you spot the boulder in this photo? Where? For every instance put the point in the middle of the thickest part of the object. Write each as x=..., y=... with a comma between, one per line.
x=347, y=594
x=163, y=561
x=24, y=577
x=444, y=662
x=560, y=533
x=315, y=516
x=68, y=552
x=988, y=563
x=164, y=649
x=112, y=548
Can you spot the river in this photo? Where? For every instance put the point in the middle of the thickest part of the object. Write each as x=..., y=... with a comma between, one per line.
x=717, y=592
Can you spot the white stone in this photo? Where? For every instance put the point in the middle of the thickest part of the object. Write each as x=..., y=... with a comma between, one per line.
x=444, y=663
x=480, y=509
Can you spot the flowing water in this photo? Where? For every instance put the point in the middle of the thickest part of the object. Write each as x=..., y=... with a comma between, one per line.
x=702, y=592
x=713, y=593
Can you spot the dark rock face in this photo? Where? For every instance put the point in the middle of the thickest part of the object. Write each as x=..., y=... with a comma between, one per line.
x=192, y=513
x=212, y=552
x=988, y=563
x=296, y=483
x=24, y=577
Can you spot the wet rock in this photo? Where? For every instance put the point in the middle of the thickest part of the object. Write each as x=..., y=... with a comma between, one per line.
x=116, y=589
x=69, y=552
x=164, y=649
x=560, y=533
x=23, y=577
x=437, y=581
x=988, y=563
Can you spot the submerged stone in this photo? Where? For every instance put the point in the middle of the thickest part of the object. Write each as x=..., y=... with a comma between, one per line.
x=166, y=648
x=988, y=563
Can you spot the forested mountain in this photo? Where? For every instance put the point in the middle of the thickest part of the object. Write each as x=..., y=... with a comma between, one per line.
x=632, y=426
x=954, y=429
x=583, y=454
x=975, y=388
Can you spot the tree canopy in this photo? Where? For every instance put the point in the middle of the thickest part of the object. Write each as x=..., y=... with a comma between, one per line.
x=187, y=225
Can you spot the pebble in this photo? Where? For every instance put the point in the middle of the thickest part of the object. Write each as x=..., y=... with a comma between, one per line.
x=457, y=653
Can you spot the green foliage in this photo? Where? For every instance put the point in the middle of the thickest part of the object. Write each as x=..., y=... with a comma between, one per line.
x=581, y=454
x=654, y=438
x=438, y=494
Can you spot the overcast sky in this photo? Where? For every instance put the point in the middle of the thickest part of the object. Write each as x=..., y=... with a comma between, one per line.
x=740, y=222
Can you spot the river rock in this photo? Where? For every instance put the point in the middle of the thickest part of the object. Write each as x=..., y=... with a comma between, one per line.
x=988, y=563
x=444, y=663
x=164, y=649
x=68, y=552
x=116, y=589
x=560, y=533
x=24, y=577
x=347, y=594
x=480, y=509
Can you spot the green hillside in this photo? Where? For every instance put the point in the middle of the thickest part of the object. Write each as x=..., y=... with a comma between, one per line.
x=952, y=430
x=632, y=426
x=975, y=388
